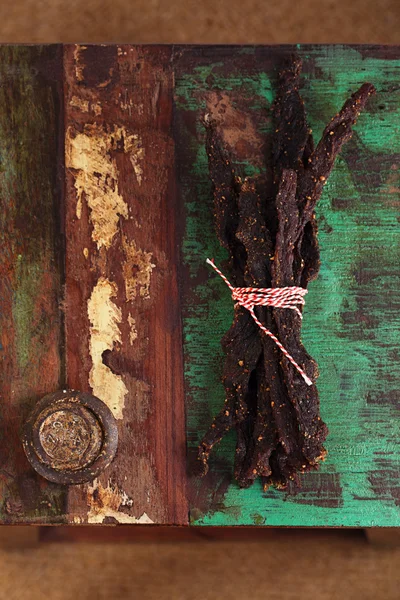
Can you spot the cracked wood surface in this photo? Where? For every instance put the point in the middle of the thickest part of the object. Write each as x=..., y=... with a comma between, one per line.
x=125, y=123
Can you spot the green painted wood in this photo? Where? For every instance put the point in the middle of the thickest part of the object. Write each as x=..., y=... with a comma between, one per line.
x=351, y=323
x=30, y=269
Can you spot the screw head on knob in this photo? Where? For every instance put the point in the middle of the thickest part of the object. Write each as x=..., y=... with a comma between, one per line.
x=70, y=437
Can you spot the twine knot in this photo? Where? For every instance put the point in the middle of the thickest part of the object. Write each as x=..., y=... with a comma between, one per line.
x=281, y=297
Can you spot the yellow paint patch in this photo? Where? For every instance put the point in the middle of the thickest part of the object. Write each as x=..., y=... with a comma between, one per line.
x=135, y=159
x=78, y=66
x=96, y=107
x=79, y=207
x=127, y=103
x=133, y=146
x=132, y=329
x=77, y=102
x=86, y=252
x=108, y=501
x=137, y=270
x=90, y=154
x=105, y=317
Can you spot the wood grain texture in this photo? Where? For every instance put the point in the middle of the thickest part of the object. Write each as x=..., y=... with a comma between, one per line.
x=31, y=159
x=122, y=305
x=351, y=320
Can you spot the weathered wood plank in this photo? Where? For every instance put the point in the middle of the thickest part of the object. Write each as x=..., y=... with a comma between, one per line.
x=351, y=320
x=122, y=302
x=31, y=157
x=122, y=305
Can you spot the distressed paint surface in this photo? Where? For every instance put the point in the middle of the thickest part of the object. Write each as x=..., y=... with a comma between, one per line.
x=105, y=319
x=351, y=322
x=88, y=154
x=137, y=192
x=122, y=304
x=110, y=502
x=30, y=274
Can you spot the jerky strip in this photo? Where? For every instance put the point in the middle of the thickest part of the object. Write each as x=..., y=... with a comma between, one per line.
x=314, y=176
x=291, y=131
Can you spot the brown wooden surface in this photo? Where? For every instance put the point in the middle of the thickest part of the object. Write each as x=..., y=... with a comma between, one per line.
x=31, y=158
x=122, y=305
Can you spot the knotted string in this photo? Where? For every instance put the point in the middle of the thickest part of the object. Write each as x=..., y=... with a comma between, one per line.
x=281, y=297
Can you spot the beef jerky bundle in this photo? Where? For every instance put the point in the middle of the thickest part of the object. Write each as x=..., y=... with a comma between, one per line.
x=272, y=242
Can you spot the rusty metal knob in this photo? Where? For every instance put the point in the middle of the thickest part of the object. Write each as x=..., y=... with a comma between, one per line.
x=70, y=437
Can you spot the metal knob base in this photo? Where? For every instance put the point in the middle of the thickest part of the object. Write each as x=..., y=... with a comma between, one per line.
x=70, y=437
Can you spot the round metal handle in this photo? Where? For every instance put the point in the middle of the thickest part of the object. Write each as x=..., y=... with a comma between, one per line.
x=70, y=437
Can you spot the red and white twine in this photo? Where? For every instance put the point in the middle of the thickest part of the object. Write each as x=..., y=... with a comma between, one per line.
x=281, y=297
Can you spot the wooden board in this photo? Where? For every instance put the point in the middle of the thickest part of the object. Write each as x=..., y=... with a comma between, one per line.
x=141, y=318
x=31, y=157
x=351, y=323
x=124, y=340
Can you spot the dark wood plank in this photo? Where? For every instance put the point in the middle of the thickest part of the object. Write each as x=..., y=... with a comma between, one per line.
x=30, y=272
x=122, y=303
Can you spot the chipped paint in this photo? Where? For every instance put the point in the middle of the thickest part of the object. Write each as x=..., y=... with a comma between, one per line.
x=96, y=108
x=92, y=156
x=133, y=334
x=78, y=66
x=135, y=159
x=127, y=103
x=107, y=502
x=105, y=317
x=86, y=252
x=79, y=207
x=79, y=103
x=137, y=270
x=133, y=146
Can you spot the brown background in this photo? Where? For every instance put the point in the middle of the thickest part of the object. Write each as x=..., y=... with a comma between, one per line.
x=209, y=22
x=286, y=564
